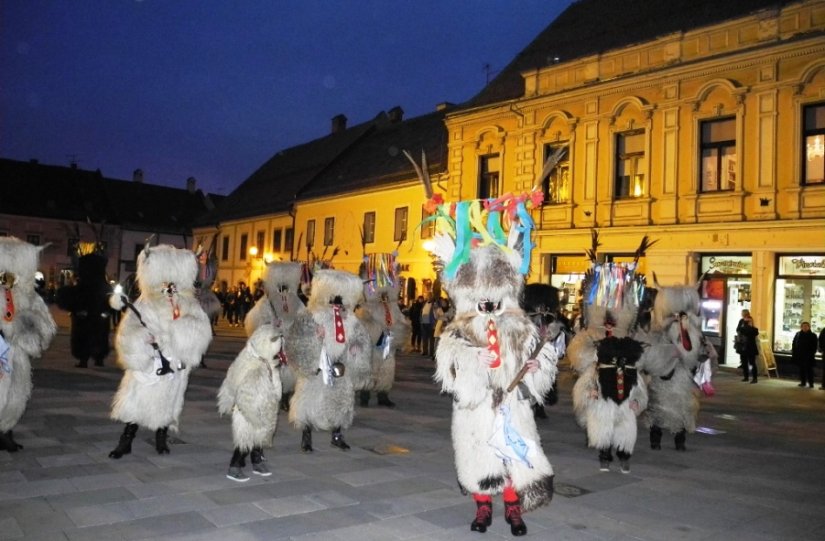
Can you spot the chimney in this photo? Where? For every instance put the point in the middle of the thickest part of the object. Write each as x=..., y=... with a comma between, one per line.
x=339, y=123
x=444, y=106
x=190, y=184
x=137, y=175
x=396, y=114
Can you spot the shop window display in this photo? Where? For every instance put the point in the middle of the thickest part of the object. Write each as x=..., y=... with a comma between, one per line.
x=797, y=300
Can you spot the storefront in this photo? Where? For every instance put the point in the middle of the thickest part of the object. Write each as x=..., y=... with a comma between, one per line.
x=567, y=273
x=725, y=292
x=800, y=296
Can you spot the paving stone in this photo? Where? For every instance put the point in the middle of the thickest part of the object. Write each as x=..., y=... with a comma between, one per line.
x=9, y=529
x=235, y=514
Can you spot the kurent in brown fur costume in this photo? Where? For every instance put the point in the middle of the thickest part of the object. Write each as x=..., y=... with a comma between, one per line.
x=331, y=351
x=610, y=392
x=386, y=325
x=26, y=331
x=279, y=306
x=490, y=357
x=162, y=336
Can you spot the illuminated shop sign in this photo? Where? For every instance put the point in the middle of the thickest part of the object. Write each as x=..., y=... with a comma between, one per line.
x=804, y=265
x=727, y=264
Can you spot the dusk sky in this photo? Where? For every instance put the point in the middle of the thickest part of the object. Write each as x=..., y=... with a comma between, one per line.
x=212, y=89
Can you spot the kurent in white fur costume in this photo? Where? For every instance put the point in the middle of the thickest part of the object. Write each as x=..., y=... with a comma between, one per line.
x=387, y=327
x=673, y=394
x=251, y=393
x=331, y=351
x=174, y=322
x=26, y=331
x=279, y=306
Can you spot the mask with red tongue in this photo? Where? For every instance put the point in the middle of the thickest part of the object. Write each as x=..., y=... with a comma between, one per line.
x=683, y=333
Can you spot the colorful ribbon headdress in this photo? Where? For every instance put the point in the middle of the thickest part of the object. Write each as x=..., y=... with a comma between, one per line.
x=504, y=221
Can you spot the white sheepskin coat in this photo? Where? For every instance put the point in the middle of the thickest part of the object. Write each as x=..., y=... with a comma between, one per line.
x=27, y=335
x=316, y=404
x=480, y=398
x=382, y=318
x=251, y=391
x=279, y=306
x=143, y=397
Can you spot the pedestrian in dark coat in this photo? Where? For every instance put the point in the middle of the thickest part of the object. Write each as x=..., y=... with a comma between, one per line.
x=749, y=348
x=415, y=322
x=88, y=303
x=804, y=354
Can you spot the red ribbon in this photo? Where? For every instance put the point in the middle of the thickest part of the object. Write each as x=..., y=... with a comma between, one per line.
x=619, y=383
x=387, y=314
x=285, y=304
x=175, y=309
x=492, y=343
x=340, y=335
x=9, y=315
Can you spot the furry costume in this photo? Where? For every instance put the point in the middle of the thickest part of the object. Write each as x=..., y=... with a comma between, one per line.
x=331, y=350
x=88, y=302
x=161, y=337
x=490, y=357
x=388, y=328
x=541, y=303
x=279, y=306
x=673, y=402
x=251, y=392
x=26, y=331
x=609, y=393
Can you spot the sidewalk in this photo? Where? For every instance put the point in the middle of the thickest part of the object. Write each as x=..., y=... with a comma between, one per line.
x=756, y=470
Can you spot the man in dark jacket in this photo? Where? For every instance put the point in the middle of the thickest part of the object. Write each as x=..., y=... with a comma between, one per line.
x=415, y=323
x=749, y=349
x=804, y=353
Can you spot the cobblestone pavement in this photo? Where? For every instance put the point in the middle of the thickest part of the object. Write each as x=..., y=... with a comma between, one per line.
x=755, y=471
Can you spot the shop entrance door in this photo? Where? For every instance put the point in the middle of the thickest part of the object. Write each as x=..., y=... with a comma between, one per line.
x=738, y=298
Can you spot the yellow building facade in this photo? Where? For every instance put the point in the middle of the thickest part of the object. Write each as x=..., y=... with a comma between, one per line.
x=390, y=219
x=701, y=140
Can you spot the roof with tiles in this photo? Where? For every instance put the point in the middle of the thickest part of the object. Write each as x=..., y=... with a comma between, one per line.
x=275, y=185
x=377, y=160
x=589, y=27
x=73, y=194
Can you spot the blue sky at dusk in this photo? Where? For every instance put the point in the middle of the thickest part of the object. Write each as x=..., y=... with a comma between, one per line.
x=212, y=89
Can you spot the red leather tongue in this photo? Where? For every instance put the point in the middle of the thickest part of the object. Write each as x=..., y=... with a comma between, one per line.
x=683, y=335
x=9, y=315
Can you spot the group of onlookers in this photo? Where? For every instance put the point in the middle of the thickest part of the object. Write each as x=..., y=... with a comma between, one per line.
x=237, y=301
x=428, y=317
x=803, y=350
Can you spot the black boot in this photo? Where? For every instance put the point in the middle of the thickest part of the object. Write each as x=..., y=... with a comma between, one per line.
x=236, y=465
x=7, y=442
x=624, y=460
x=512, y=514
x=259, y=462
x=364, y=398
x=338, y=440
x=484, y=517
x=384, y=399
x=306, y=440
x=160, y=441
x=605, y=458
x=538, y=411
x=680, y=440
x=285, y=401
x=124, y=446
x=655, y=438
